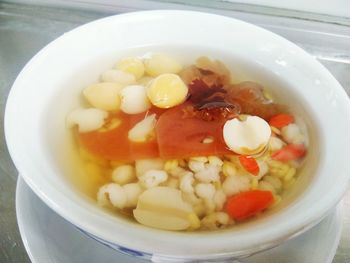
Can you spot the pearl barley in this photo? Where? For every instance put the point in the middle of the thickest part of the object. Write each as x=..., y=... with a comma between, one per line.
x=134, y=99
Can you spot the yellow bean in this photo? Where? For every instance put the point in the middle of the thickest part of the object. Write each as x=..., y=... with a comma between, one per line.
x=158, y=64
x=288, y=184
x=202, y=159
x=273, y=163
x=281, y=174
x=170, y=165
x=167, y=90
x=277, y=201
x=214, y=160
x=195, y=223
x=132, y=65
x=229, y=169
x=274, y=170
x=290, y=174
x=255, y=184
x=277, y=173
x=217, y=185
x=266, y=186
x=285, y=168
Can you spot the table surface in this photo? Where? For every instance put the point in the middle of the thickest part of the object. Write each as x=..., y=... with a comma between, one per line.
x=24, y=30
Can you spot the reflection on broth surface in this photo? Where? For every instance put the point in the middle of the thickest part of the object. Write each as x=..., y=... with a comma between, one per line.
x=185, y=146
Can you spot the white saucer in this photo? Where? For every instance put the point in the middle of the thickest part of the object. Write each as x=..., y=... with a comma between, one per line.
x=48, y=238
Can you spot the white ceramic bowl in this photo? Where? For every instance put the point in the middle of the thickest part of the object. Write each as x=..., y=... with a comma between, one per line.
x=49, y=86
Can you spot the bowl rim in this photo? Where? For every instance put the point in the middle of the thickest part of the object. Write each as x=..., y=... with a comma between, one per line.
x=289, y=230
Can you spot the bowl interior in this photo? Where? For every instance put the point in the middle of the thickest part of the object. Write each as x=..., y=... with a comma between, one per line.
x=51, y=83
x=64, y=150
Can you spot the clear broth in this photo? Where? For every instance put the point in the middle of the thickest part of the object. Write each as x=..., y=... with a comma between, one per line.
x=65, y=151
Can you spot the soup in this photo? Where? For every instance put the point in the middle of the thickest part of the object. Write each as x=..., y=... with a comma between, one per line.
x=186, y=148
